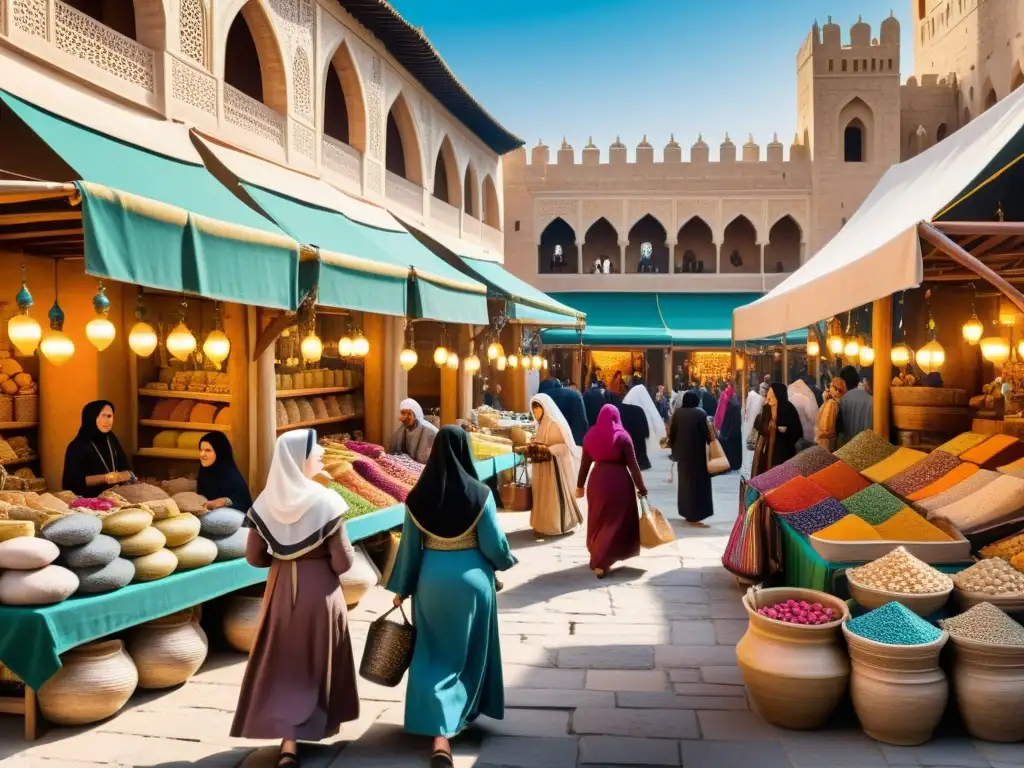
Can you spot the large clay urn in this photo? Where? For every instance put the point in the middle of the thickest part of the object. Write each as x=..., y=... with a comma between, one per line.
x=241, y=619
x=989, y=683
x=168, y=651
x=93, y=683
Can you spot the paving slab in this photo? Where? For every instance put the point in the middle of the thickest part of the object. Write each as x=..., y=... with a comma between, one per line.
x=527, y=752
x=626, y=680
x=641, y=700
x=731, y=754
x=641, y=723
x=596, y=751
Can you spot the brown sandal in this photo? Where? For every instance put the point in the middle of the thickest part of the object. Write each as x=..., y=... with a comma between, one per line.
x=441, y=759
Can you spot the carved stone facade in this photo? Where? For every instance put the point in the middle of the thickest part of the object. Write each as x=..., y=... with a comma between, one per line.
x=192, y=31
x=79, y=35
x=193, y=86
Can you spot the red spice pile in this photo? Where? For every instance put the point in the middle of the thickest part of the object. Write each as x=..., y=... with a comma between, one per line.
x=795, y=495
x=840, y=480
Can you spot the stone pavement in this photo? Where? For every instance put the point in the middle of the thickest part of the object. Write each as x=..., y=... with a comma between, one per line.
x=636, y=670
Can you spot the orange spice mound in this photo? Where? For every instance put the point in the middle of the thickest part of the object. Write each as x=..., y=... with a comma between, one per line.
x=908, y=525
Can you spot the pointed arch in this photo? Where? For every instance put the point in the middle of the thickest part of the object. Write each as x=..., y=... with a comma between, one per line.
x=941, y=133
x=600, y=242
x=558, y=232
x=856, y=123
x=1016, y=77
x=402, y=153
x=695, y=247
x=446, y=174
x=740, y=252
x=647, y=229
x=471, y=192
x=491, y=207
x=344, y=101
x=991, y=97
x=253, y=59
x=783, y=250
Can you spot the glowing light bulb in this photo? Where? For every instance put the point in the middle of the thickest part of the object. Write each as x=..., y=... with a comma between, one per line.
x=360, y=346
x=513, y=362
x=995, y=349
x=931, y=357
x=973, y=330
x=538, y=361
x=501, y=363
x=408, y=358
x=526, y=362
x=867, y=356
x=142, y=339
x=852, y=349
x=453, y=361
x=217, y=346
x=346, y=347
x=100, y=332
x=24, y=333
x=494, y=350
x=440, y=357
x=835, y=343
x=312, y=348
x=181, y=343
x=900, y=355
x=471, y=364
x=813, y=348
x=56, y=347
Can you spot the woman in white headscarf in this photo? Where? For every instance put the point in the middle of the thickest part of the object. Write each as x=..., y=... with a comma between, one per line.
x=802, y=397
x=751, y=410
x=638, y=395
x=415, y=435
x=555, y=510
x=300, y=680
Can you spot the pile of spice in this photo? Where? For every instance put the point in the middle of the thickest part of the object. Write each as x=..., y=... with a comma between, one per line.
x=850, y=528
x=1017, y=562
x=961, y=490
x=773, y=478
x=997, y=451
x=874, y=504
x=936, y=465
x=1004, y=548
x=894, y=624
x=900, y=572
x=902, y=460
x=962, y=442
x=865, y=450
x=994, y=576
x=954, y=477
x=986, y=623
x=811, y=460
x=908, y=525
x=795, y=495
x=821, y=515
x=799, y=612
x=840, y=480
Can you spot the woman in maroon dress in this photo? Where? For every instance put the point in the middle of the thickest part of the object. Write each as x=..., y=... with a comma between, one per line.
x=300, y=682
x=613, y=519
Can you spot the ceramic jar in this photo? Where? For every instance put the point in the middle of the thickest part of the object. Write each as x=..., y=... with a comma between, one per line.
x=241, y=619
x=796, y=674
x=989, y=683
x=93, y=683
x=168, y=651
x=899, y=692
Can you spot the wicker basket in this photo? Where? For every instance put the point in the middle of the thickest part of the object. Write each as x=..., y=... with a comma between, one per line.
x=168, y=651
x=95, y=681
x=26, y=408
x=6, y=408
x=388, y=651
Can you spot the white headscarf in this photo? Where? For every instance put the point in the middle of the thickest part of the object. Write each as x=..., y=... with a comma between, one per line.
x=751, y=410
x=806, y=404
x=411, y=405
x=295, y=514
x=553, y=417
x=638, y=395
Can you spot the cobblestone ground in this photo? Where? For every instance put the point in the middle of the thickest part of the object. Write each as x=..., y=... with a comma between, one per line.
x=636, y=670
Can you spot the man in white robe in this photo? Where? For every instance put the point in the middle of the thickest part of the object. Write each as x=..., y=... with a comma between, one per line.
x=415, y=435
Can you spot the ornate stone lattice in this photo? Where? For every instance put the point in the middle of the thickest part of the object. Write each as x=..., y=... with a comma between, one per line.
x=549, y=210
x=84, y=37
x=374, y=93
x=659, y=209
x=194, y=87
x=341, y=158
x=253, y=116
x=192, y=30
x=302, y=88
x=303, y=140
x=597, y=209
x=30, y=16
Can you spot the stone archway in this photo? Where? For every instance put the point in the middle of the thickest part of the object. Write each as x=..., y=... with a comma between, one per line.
x=402, y=145
x=647, y=230
x=344, y=107
x=253, y=61
x=491, y=208
x=991, y=97
x=601, y=242
x=557, y=233
x=740, y=251
x=446, y=175
x=695, y=248
x=782, y=252
x=471, y=192
x=856, y=125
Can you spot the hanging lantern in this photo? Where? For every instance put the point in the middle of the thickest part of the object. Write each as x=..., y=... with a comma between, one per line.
x=501, y=362
x=24, y=331
x=545, y=364
x=525, y=362
x=513, y=361
x=1020, y=349
x=408, y=358
x=972, y=330
x=901, y=355
x=866, y=356
x=852, y=349
x=181, y=343
x=100, y=331
x=440, y=356
x=813, y=348
x=142, y=339
x=311, y=348
x=55, y=346
x=453, y=361
x=471, y=364
x=217, y=346
x=931, y=357
x=538, y=361
x=835, y=341
x=995, y=349
x=346, y=347
x=494, y=350
x=360, y=345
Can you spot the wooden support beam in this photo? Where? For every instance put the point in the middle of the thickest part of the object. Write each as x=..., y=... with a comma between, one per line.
x=978, y=228
x=41, y=234
x=272, y=331
x=881, y=339
x=41, y=217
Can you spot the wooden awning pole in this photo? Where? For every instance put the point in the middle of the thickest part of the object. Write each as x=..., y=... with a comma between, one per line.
x=962, y=257
x=881, y=339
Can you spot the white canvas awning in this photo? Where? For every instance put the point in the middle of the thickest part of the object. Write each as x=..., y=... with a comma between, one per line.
x=878, y=252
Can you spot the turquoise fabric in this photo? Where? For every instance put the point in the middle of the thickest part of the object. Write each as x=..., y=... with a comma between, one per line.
x=529, y=305
x=613, y=320
x=456, y=673
x=183, y=248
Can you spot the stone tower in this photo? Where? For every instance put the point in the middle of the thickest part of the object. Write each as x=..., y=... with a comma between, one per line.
x=848, y=113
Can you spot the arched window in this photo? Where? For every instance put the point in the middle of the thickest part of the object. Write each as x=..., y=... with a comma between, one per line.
x=853, y=142
x=991, y=99
x=344, y=113
x=446, y=175
x=253, y=63
x=784, y=245
x=469, y=192
x=491, y=210
x=242, y=60
x=557, y=235
x=922, y=10
x=940, y=134
x=120, y=17
x=695, y=247
x=402, y=151
x=740, y=252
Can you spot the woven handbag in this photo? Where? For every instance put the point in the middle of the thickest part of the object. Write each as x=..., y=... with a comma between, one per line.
x=388, y=651
x=517, y=496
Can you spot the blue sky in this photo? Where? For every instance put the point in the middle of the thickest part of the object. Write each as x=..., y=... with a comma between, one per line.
x=548, y=68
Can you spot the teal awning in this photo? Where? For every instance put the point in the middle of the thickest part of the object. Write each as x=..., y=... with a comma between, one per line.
x=527, y=305
x=164, y=222
x=613, y=320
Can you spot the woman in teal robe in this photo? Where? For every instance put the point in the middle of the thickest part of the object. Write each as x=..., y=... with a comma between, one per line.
x=451, y=546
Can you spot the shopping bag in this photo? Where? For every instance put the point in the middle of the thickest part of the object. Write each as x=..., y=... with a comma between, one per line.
x=517, y=496
x=654, y=528
x=388, y=651
x=718, y=462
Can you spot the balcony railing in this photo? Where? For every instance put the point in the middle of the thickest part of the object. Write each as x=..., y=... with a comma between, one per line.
x=404, y=194
x=253, y=116
x=492, y=238
x=343, y=160
x=445, y=215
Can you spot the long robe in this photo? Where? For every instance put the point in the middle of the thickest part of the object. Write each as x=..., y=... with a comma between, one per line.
x=570, y=403
x=778, y=435
x=613, y=517
x=634, y=420
x=300, y=682
x=456, y=671
x=555, y=510
x=730, y=435
x=688, y=435
x=593, y=401
x=415, y=442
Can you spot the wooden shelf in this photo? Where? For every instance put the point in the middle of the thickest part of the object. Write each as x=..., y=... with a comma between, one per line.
x=18, y=425
x=16, y=462
x=183, y=454
x=184, y=425
x=203, y=396
x=318, y=422
x=316, y=392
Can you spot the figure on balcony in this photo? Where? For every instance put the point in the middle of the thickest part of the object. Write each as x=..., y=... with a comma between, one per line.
x=557, y=260
x=646, y=258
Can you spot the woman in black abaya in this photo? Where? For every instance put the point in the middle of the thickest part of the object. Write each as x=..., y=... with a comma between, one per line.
x=95, y=461
x=688, y=436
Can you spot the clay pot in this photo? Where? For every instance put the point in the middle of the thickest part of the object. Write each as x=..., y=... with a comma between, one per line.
x=168, y=651
x=95, y=681
x=989, y=684
x=241, y=618
x=899, y=692
x=795, y=674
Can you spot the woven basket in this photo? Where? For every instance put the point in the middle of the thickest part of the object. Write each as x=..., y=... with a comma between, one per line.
x=26, y=408
x=94, y=682
x=388, y=651
x=168, y=651
x=6, y=408
x=241, y=618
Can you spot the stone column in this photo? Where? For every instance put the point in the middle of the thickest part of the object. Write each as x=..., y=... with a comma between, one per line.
x=718, y=258
x=671, y=256
x=764, y=281
x=579, y=258
x=623, y=244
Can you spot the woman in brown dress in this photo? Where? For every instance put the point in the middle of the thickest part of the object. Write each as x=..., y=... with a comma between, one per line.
x=300, y=681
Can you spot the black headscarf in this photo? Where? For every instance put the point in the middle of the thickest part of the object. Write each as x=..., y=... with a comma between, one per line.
x=92, y=453
x=786, y=414
x=691, y=399
x=850, y=376
x=222, y=479
x=449, y=496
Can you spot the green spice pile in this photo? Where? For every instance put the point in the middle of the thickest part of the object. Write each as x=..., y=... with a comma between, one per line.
x=893, y=624
x=357, y=505
x=865, y=450
x=986, y=623
x=994, y=576
x=899, y=571
x=875, y=504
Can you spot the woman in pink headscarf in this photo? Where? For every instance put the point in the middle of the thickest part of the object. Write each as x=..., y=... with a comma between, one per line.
x=723, y=404
x=613, y=520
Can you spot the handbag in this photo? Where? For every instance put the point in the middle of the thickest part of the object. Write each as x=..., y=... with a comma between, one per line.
x=517, y=496
x=388, y=651
x=718, y=462
x=654, y=528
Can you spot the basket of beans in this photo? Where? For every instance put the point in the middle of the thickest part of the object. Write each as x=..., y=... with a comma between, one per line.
x=900, y=577
x=992, y=581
